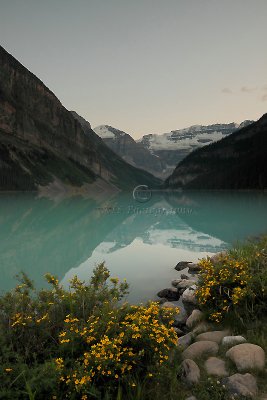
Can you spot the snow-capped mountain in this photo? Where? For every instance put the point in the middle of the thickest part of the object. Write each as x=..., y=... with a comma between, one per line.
x=173, y=146
x=132, y=152
x=160, y=154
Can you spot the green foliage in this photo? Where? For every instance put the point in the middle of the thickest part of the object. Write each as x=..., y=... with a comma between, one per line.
x=213, y=389
x=235, y=284
x=81, y=343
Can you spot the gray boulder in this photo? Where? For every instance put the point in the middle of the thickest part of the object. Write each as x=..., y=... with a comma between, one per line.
x=233, y=340
x=184, y=276
x=202, y=327
x=199, y=349
x=182, y=265
x=215, y=366
x=192, y=268
x=189, y=295
x=247, y=356
x=169, y=293
x=194, y=318
x=190, y=372
x=168, y=304
x=214, y=336
x=185, y=340
x=180, y=319
x=241, y=385
x=183, y=283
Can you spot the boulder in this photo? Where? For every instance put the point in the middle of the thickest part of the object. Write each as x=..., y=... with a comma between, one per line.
x=214, y=336
x=192, y=268
x=175, y=282
x=180, y=319
x=189, y=295
x=183, y=283
x=168, y=304
x=202, y=327
x=169, y=293
x=247, y=356
x=215, y=366
x=241, y=385
x=182, y=265
x=191, y=398
x=184, y=276
x=194, y=318
x=233, y=340
x=190, y=372
x=185, y=340
x=199, y=349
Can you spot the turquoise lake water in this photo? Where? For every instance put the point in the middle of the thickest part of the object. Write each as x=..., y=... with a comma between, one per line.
x=141, y=242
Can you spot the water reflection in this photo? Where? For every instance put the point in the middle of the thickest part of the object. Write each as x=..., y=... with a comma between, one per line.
x=139, y=242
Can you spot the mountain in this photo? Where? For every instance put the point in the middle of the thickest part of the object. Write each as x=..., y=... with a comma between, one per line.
x=42, y=143
x=132, y=152
x=174, y=146
x=236, y=162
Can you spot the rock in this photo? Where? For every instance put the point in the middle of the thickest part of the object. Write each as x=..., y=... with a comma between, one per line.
x=202, y=327
x=247, y=356
x=182, y=265
x=241, y=385
x=190, y=372
x=194, y=318
x=189, y=295
x=233, y=340
x=194, y=268
x=180, y=319
x=168, y=304
x=184, y=276
x=175, y=282
x=199, y=349
x=183, y=283
x=214, y=336
x=191, y=398
x=185, y=340
x=169, y=293
x=215, y=366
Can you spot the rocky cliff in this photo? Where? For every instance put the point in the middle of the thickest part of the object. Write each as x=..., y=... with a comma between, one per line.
x=41, y=141
x=132, y=152
x=236, y=162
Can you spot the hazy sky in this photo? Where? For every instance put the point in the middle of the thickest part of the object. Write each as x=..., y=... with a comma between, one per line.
x=145, y=66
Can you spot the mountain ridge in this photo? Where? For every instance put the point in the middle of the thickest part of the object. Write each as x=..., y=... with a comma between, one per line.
x=131, y=151
x=40, y=140
x=235, y=162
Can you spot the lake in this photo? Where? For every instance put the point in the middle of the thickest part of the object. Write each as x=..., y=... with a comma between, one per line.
x=141, y=242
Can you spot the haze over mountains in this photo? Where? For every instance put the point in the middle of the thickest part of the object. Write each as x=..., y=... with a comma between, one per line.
x=160, y=154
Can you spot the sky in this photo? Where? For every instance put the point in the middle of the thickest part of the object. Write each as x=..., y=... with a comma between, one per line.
x=145, y=66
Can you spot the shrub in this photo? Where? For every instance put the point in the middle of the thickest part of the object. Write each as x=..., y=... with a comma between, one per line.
x=236, y=282
x=79, y=343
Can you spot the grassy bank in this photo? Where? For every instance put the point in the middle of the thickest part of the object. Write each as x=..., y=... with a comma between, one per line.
x=85, y=343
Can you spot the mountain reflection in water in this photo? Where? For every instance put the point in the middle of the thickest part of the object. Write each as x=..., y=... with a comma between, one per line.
x=141, y=242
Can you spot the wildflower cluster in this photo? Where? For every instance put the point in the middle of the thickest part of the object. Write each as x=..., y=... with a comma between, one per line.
x=222, y=285
x=114, y=345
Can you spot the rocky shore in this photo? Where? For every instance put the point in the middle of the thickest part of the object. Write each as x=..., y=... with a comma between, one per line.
x=222, y=355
